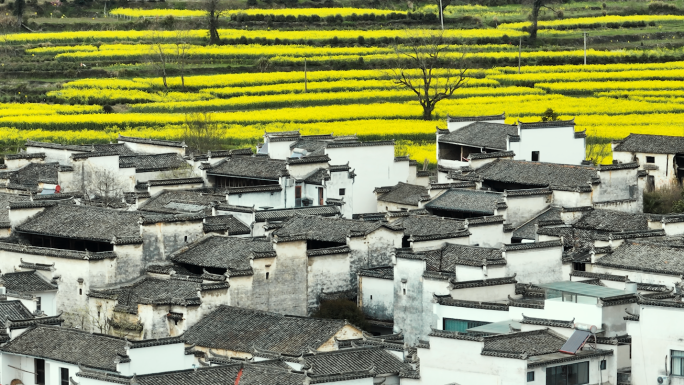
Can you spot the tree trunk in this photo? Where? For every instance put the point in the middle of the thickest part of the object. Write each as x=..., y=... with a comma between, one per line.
x=536, y=5
x=427, y=113
x=214, y=37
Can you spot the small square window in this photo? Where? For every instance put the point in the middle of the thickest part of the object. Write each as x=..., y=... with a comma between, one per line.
x=603, y=364
x=371, y=297
x=535, y=156
x=530, y=376
x=267, y=274
x=342, y=192
x=650, y=159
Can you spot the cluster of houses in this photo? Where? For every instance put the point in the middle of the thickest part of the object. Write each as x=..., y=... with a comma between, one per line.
x=516, y=261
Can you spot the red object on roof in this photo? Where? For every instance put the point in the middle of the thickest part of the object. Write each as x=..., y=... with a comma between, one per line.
x=237, y=380
x=57, y=189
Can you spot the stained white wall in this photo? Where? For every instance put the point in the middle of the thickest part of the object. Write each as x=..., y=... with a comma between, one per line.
x=555, y=145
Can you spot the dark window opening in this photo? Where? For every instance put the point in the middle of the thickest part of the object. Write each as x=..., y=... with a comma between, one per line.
x=186, y=239
x=603, y=364
x=38, y=303
x=405, y=242
x=64, y=376
x=535, y=156
x=80, y=291
x=312, y=244
x=320, y=196
x=371, y=297
x=460, y=325
x=404, y=291
x=39, y=368
x=650, y=183
x=650, y=159
x=342, y=191
x=68, y=244
x=579, y=266
x=199, y=270
x=573, y=374
x=267, y=274
x=298, y=196
x=175, y=322
x=530, y=376
x=457, y=214
x=226, y=182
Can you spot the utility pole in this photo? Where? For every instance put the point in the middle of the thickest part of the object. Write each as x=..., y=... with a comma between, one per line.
x=306, y=82
x=441, y=14
x=585, y=48
x=519, y=54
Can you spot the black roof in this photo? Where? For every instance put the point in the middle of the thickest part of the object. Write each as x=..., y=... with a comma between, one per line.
x=383, y=272
x=537, y=173
x=153, y=162
x=405, y=194
x=30, y=175
x=242, y=330
x=230, y=253
x=13, y=311
x=5, y=199
x=316, y=176
x=84, y=222
x=181, y=201
x=283, y=214
x=69, y=345
x=353, y=360
x=654, y=144
x=223, y=223
x=609, y=220
x=481, y=134
x=528, y=229
x=470, y=201
x=326, y=229
x=646, y=257
x=429, y=226
x=155, y=291
x=530, y=343
x=26, y=282
x=257, y=167
x=156, y=142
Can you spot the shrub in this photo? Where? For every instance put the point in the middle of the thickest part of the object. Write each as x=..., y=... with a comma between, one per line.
x=107, y=109
x=342, y=309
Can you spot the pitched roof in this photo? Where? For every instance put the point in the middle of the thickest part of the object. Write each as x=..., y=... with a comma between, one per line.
x=5, y=199
x=326, y=229
x=84, y=222
x=283, y=214
x=242, y=330
x=257, y=167
x=531, y=343
x=95, y=351
x=383, y=272
x=528, y=229
x=225, y=223
x=654, y=144
x=30, y=175
x=153, y=162
x=216, y=251
x=13, y=311
x=481, y=134
x=419, y=226
x=471, y=201
x=537, y=173
x=148, y=290
x=609, y=220
x=316, y=176
x=405, y=194
x=156, y=142
x=26, y=282
x=646, y=257
x=181, y=201
x=352, y=360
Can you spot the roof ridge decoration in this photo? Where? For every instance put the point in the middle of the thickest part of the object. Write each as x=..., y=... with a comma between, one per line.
x=549, y=124
x=456, y=119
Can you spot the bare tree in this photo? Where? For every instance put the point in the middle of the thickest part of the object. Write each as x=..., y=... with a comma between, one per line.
x=181, y=54
x=537, y=5
x=214, y=11
x=104, y=186
x=185, y=171
x=201, y=133
x=423, y=68
x=159, y=56
x=19, y=8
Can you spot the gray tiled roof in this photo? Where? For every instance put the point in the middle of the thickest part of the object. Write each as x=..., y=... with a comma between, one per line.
x=429, y=225
x=257, y=167
x=25, y=155
x=384, y=272
x=181, y=201
x=316, y=176
x=471, y=201
x=609, y=220
x=156, y=142
x=225, y=223
x=252, y=374
x=26, y=282
x=5, y=199
x=646, y=257
x=453, y=254
x=31, y=174
x=154, y=162
x=222, y=252
x=404, y=193
x=84, y=222
x=156, y=291
x=537, y=173
x=532, y=343
x=283, y=214
x=69, y=345
x=481, y=134
x=326, y=229
x=351, y=360
x=654, y=144
x=528, y=229
x=14, y=311
x=242, y=330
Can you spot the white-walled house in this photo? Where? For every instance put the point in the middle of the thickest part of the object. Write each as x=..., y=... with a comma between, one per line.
x=553, y=141
x=659, y=156
x=54, y=355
